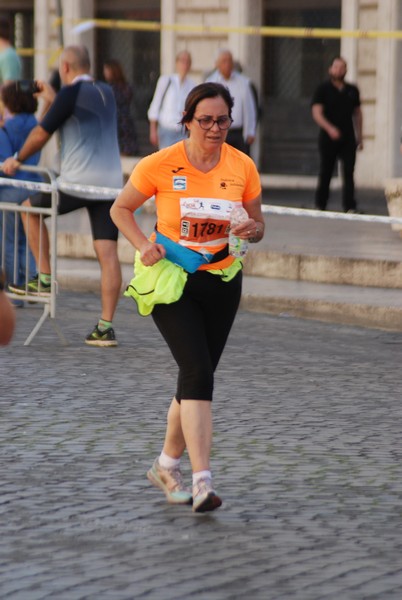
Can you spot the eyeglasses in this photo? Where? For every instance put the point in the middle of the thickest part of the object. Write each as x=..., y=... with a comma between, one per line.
x=208, y=122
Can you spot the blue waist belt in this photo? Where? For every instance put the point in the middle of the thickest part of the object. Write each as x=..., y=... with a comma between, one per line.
x=186, y=258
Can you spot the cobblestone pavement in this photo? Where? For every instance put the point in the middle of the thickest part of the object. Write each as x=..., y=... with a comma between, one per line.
x=307, y=457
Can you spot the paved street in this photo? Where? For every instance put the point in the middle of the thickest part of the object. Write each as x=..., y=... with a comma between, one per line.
x=307, y=457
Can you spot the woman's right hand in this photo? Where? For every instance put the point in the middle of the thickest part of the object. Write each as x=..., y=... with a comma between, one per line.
x=151, y=253
x=153, y=133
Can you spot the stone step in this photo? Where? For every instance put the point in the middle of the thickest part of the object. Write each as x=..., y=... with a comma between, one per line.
x=384, y=273
x=378, y=308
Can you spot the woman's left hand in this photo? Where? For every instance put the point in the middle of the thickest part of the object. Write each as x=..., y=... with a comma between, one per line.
x=245, y=230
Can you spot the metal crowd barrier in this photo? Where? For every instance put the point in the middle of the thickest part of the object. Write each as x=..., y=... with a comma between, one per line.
x=326, y=214
x=48, y=301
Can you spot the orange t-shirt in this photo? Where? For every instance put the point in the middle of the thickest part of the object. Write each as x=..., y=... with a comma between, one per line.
x=193, y=208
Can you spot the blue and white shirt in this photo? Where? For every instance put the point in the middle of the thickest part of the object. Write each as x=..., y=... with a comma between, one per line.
x=85, y=115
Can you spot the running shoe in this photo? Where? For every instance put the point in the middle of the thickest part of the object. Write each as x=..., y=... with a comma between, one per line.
x=170, y=481
x=204, y=496
x=34, y=287
x=104, y=338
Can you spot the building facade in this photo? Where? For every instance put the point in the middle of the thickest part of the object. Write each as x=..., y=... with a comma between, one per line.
x=284, y=69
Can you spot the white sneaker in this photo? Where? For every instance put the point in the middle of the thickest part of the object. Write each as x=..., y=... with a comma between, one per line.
x=170, y=481
x=204, y=496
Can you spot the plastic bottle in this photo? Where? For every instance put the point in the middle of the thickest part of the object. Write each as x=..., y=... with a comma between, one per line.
x=237, y=246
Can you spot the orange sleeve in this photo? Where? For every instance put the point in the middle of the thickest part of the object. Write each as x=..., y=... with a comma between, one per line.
x=143, y=175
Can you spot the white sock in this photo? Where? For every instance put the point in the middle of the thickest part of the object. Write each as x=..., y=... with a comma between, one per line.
x=201, y=475
x=167, y=462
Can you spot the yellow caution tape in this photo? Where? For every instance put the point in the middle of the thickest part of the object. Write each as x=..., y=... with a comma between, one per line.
x=299, y=32
x=292, y=32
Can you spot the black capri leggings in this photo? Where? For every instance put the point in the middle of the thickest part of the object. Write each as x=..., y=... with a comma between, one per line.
x=196, y=328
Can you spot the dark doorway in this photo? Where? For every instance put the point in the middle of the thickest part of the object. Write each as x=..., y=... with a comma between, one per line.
x=292, y=68
x=139, y=54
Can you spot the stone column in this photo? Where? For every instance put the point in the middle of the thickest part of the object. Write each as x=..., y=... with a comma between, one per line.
x=247, y=48
x=168, y=37
x=46, y=58
x=396, y=87
x=387, y=123
x=79, y=9
x=45, y=39
x=350, y=21
x=373, y=65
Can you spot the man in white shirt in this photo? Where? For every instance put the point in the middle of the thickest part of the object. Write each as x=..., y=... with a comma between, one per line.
x=166, y=109
x=242, y=132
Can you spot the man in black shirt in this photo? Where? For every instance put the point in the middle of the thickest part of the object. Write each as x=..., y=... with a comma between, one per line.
x=336, y=109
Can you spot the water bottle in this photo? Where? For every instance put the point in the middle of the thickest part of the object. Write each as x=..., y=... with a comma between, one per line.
x=237, y=246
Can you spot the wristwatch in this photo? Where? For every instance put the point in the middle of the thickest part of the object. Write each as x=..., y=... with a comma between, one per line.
x=16, y=157
x=2, y=280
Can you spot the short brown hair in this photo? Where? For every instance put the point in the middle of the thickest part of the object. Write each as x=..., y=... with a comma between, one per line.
x=202, y=91
x=17, y=101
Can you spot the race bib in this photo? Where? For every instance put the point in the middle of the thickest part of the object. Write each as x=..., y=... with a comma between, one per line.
x=204, y=221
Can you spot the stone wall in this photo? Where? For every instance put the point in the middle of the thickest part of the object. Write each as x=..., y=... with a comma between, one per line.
x=373, y=65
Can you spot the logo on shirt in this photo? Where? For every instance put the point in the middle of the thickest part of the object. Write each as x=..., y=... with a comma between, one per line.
x=180, y=183
x=177, y=170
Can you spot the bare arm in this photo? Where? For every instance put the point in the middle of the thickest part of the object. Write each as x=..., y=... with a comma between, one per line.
x=122, y=213
x=317, y=112
x=153, y=133
x=358, y=122
x=7, y=319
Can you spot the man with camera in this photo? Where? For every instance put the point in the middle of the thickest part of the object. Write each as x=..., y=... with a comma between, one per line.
x=84, y=112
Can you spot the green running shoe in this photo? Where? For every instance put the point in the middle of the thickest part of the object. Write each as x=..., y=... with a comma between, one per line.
x=34, y=287
x=105, y=338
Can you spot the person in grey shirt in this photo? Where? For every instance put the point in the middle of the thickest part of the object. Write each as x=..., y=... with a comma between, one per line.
x=84, y=113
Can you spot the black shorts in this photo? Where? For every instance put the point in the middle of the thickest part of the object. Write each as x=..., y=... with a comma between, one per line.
x=102, y=225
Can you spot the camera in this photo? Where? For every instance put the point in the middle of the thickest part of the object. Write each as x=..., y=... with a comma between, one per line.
x=28, y=86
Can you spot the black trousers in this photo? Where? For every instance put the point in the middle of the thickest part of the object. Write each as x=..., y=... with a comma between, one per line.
x=196, y=328
x=331, y=151
x=235, y=139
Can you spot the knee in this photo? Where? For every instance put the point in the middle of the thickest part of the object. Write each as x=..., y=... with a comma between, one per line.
x=197, y=383
x=106, y=252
